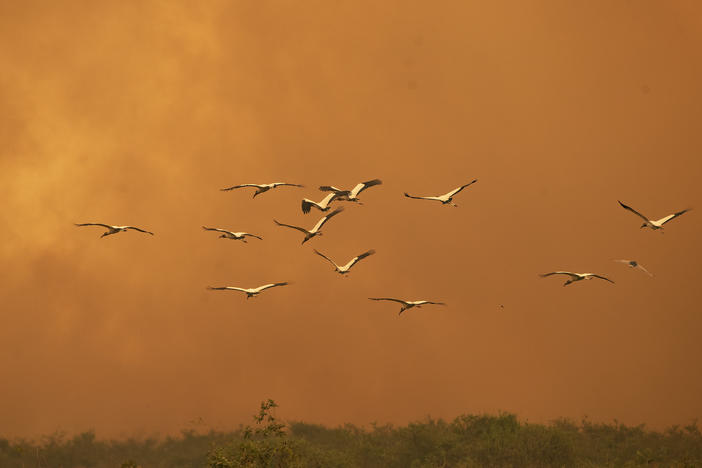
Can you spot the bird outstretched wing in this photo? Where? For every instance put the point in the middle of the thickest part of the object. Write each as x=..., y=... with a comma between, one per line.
x=603, y=277
x=240, y=186
x=421, y=198
x=572, y=275
x=325, y=257
x=291, y=226
x=138, y=229
x=307, y=205
x=321, y=222
x=455, y=191
x=230, y=288
x=364, y=185
x=357, y=259
x=217, y=229
x=94, y=224
x=634, y=211
x=268, y=286
x=387, y=299
x=280, y=184
x=671, y=217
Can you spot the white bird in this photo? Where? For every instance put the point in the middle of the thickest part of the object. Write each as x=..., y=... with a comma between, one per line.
x=657, y=224
x=324, y=205
x=316, y=229
x=232, y=235
x=351, y=195
x=342, y=270
x=114, y=229
x=445, y=199
x=576, y=276
x=635, y=264
x=250, y=292
x=406, y=304
x=260, y=188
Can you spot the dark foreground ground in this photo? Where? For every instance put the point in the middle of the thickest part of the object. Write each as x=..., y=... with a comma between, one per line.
x=467, y=441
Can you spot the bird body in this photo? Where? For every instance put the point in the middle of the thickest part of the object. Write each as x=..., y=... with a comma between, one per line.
x=635, y=264
x=351, y=195
x=576, y=276
x=324, y=205
x=261, y=188
x=445, y=199
x=315, y=231
x=250, y=292
x=406, y=304
x=114, y=229
x=232, y=235
x=653, y=224
x=342, y=270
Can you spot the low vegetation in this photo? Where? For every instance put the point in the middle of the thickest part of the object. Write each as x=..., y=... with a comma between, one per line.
x=467, y=441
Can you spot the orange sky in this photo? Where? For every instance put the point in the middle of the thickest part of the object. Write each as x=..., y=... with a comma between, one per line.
x=139, y=112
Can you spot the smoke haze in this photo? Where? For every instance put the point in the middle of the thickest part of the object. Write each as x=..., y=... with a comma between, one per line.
x=139, y=112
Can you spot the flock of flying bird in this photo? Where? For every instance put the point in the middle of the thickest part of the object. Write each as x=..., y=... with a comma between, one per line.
x=338, y=195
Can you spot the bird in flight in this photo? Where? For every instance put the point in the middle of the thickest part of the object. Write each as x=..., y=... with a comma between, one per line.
x=342, y=270
x=406, y=304
x=447, y=198
x=576, y=276
x=316, y=229
x=232, y=235
x=114, y=229
x=635, y=264
x=324, y=205
x=351, y=195
x=260, y=188
x=250, y=292
x=657, y=224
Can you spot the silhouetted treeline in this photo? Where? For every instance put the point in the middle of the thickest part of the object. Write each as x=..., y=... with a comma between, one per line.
x=467, y=441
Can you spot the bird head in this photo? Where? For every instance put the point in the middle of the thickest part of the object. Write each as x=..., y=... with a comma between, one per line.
x=643, y=226
x=222, y=235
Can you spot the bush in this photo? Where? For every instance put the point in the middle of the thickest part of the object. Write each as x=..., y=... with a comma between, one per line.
x=469, y=441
